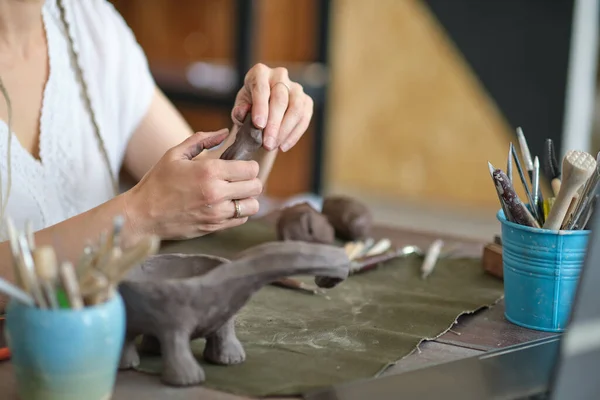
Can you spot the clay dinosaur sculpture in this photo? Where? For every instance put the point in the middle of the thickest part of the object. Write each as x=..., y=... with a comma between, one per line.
x=351, y=219
x=248, y=140
x=174, y=298
x=302, y=222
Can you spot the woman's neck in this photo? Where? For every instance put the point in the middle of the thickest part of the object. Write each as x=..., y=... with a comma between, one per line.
x=21, y=27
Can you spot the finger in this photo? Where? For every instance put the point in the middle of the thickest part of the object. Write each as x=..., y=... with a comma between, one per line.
x=196, y=143
x=278, y=104
x=241, y=189
x=295, y=112
x=257, y=83
x=300, y=129
x=241, y=106
x=236, y=170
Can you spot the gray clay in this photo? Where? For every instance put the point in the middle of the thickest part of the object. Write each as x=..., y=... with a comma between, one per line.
x=248, y=140
x=172, y=299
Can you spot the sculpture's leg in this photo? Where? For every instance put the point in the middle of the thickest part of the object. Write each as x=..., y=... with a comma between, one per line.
x=180, y=368
x=150, y=345
x=223, y=347
x=129, y=354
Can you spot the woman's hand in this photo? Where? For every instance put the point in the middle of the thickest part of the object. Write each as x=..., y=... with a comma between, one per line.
x=183, y=196
x=279, y=105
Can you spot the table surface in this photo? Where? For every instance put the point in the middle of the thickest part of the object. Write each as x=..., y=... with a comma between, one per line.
x=473, y=334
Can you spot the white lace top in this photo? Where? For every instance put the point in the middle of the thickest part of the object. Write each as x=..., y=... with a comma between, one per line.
x=72, y=176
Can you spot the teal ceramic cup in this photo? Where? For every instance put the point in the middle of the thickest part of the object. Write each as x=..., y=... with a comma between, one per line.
x=541, y=273
x=66, y=354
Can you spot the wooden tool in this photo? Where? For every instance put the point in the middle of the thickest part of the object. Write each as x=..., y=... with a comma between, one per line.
x=431, y=258
x=29, y=273
x=503, y=204
x=46, y=267
x=577, y=167
x=380, y=247
x=517, y=209
x=70, y=284
x=492, y=260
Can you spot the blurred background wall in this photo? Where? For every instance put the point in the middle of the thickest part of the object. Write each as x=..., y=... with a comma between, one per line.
x=412, y=97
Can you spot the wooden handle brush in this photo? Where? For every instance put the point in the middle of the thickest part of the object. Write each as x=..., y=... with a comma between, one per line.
x=46, y=267
x=516, y=208
x=577, y=167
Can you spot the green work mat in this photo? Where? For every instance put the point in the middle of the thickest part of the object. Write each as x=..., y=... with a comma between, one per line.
x=296, y=342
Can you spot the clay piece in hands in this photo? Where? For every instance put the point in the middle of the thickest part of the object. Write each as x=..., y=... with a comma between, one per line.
x=172, y=299
x=304, y=223
x=248, y=140
x=351, y=219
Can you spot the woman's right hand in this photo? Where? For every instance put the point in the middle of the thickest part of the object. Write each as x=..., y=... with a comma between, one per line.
x=184, y=197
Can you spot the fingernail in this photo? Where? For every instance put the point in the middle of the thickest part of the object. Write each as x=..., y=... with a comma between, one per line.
x=269, y=142
x=260, y=122
x=285, y=147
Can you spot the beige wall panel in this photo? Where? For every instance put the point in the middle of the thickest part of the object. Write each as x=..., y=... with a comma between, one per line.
x=407, y=118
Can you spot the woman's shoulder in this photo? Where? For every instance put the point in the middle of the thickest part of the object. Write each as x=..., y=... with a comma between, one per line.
x=96, y=24
x=112, y=61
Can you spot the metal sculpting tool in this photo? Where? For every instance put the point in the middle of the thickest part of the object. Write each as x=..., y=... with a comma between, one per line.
x=509, y=165
x=524, y=181
x=551, y=166
x=525, y=153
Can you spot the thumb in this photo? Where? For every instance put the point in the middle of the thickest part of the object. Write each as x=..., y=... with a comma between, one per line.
x=199, y=141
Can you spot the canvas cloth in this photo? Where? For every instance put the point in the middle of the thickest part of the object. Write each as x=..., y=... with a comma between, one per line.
x=297, y=342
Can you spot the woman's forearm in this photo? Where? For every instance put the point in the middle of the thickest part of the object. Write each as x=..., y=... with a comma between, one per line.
x=71, y=236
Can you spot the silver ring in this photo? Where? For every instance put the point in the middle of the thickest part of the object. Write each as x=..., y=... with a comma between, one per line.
x=284, y=84
x=238, y=209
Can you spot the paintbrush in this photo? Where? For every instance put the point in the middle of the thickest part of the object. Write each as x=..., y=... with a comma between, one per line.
x=517, y=209
x=30, y=235
x=431, y=258
x=505, y=209
x=577, y=167
x=47, y=271
x=16, y=293
x=71, y=286
x=29, y=274
x=551, y=166
x=523, y=181
x=146, y=247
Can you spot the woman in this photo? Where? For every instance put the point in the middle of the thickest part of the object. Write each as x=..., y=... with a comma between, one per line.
x=84, y=105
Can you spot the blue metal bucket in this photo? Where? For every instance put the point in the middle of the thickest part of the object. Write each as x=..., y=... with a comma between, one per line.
x=541, y=272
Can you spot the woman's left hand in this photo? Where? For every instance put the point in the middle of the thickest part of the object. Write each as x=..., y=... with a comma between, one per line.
x=279, y=106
